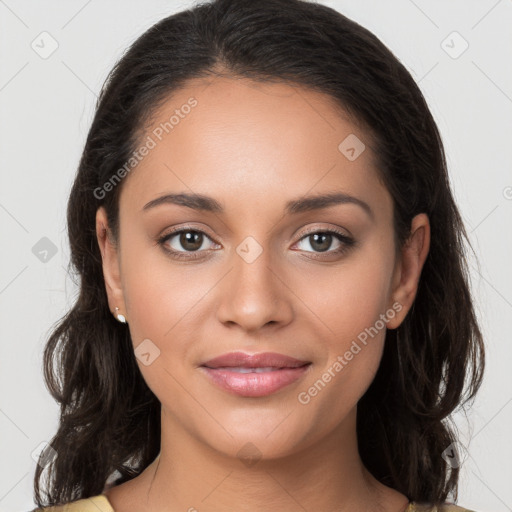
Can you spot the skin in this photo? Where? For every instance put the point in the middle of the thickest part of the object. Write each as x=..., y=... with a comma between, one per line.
x=253, y=147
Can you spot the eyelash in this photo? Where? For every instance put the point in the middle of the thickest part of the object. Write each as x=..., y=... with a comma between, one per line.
x=345, y=240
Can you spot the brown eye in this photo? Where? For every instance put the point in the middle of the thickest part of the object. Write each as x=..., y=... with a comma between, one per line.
x=322, y=240
x=190, y=240
x=183, y=241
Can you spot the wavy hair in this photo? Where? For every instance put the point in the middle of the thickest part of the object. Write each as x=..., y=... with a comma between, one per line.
x=109, y=425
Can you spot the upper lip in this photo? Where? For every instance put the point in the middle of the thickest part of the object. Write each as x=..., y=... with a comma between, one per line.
x=262, y=360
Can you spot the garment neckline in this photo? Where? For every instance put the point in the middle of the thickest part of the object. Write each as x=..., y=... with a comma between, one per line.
x=410, y=506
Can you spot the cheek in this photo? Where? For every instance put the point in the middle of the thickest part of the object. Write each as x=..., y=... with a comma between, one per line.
x=157, y=292
x=349, y=298
x=158, y=311
x=350, y=357
x=348, y=303
x=165, y=304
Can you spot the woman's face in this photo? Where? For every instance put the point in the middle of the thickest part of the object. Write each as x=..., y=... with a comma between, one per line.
x=248, y=274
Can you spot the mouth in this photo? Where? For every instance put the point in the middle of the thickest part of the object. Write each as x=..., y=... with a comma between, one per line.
x=254, y=375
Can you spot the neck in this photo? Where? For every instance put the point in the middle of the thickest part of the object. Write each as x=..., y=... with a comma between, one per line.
x=189, y=475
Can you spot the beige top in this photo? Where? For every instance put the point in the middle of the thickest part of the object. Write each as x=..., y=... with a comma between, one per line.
x=100, y=503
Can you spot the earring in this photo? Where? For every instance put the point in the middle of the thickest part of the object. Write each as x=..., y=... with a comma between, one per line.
x=120, y=317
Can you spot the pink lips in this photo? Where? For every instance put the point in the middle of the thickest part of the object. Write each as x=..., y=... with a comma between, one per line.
x=254, y=375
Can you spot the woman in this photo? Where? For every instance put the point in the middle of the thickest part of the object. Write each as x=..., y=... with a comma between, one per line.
x=274, y=308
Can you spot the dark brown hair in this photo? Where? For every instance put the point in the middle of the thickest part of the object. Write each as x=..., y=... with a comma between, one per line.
x=110, y=420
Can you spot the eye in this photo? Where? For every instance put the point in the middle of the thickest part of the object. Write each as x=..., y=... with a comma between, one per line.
x=322, y=240
x=191, y=240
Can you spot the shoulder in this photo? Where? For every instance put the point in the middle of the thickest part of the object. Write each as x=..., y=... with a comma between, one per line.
x=446, y=507
x=98, y=503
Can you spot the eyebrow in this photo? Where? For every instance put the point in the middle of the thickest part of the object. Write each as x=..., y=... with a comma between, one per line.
x=204, y=203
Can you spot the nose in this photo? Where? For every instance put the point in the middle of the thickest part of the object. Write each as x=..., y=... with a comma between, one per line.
x=254, y=295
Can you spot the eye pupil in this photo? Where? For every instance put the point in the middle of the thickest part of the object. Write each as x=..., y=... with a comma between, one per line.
x=191, y=237
x=323, y=237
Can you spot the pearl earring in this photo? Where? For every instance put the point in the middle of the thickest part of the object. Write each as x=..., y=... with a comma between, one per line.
x=120, y=317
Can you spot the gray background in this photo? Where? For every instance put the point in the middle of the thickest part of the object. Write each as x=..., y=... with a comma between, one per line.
x=46, y=107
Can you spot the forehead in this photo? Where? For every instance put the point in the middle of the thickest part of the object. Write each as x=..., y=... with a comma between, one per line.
x=254, y=143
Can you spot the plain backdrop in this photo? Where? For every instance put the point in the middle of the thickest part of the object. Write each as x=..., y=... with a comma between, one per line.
x=46, y=107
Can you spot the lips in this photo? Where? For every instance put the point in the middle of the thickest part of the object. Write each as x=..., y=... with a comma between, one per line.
x=263, y=360
x=254, y=375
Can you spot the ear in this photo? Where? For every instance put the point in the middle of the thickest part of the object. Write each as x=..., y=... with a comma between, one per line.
x=407, y=271
x=110, y=259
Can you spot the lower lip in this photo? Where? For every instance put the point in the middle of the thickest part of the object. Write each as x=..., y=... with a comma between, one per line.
x=254, y=384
